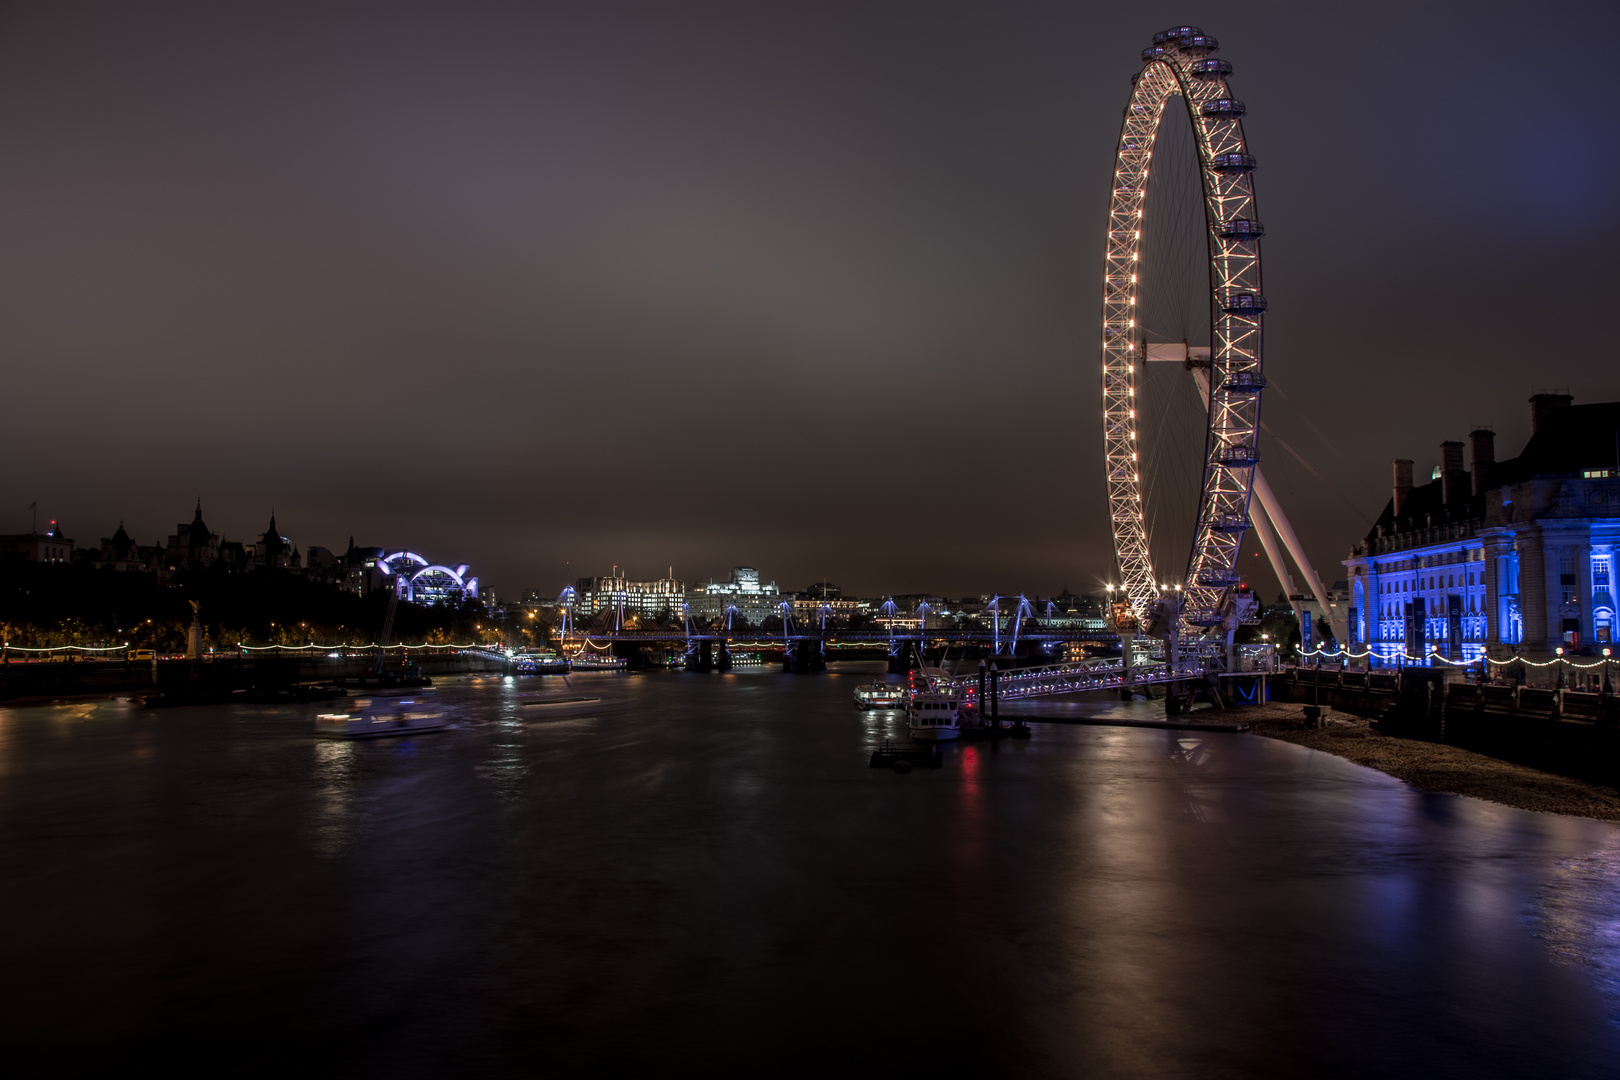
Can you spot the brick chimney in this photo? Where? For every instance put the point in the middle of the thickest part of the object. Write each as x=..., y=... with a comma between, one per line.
x=1545, y=402
x=1403, y=482
x=1452, y=473
x=1484, y=440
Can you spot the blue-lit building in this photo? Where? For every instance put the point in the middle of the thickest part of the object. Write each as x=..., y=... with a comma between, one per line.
x=419, y=581
x=1504, y=557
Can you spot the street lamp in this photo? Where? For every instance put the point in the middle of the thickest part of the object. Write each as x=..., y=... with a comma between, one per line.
x=1608, y=687
x=1560, y=652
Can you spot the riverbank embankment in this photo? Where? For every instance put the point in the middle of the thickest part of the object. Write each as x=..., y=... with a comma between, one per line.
x=1433, y=766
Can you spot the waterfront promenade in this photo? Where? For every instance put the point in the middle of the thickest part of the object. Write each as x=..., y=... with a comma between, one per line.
x=706, y=878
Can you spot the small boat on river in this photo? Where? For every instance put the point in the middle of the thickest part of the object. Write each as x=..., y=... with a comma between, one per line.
x=880, y=695
x=380, y=719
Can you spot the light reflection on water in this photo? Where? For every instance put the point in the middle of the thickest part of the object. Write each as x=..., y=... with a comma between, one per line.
x=708, y=871
x=331, y=808
x=1577, y=913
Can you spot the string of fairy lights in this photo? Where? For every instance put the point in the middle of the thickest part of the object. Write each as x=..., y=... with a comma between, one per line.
x=1329, y=654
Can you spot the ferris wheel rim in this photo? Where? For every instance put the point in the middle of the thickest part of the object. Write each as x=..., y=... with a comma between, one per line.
x=1179, y=63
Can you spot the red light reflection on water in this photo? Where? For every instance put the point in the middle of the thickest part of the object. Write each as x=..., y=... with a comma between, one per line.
x=970, y=828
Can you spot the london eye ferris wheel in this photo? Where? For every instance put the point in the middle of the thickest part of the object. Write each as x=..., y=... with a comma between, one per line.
x=1182, y=264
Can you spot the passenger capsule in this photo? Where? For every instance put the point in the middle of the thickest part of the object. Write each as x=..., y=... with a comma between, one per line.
x=1209, y=69
x=1229, y=523
x=1237, y=457
x=1243, y=303
x=1242, y=229
x=1175, y=34
x=1198, y=44
x=1230, y=164
x=1218, y=581
x=1223, y=109
x=1244, y=382
x=1153, y=52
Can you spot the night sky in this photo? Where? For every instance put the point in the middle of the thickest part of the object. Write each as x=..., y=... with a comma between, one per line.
x=814, y=288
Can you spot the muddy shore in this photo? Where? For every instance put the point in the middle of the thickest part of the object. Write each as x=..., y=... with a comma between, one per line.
x=1433, y=766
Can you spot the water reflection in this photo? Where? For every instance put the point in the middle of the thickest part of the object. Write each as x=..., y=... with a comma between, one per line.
x=1578, y=915
x=711, y=873
x=505, y=771
x=332, y=824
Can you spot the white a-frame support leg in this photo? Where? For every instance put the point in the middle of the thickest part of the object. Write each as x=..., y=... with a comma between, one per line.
x=1271, y=525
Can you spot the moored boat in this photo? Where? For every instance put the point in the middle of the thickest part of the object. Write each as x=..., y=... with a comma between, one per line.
x=931, y=714
x=598, y=663
x=879, y=695
x=542, y=664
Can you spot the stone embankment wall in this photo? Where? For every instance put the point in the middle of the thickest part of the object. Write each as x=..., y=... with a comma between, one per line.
x=1569, y=732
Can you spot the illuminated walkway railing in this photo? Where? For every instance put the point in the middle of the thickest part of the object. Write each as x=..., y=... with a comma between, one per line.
x=1071, y=678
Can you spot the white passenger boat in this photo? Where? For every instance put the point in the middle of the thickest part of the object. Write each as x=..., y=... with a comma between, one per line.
x=597, y=663
x=879, y=695
x=375, y=720
x=931, y=714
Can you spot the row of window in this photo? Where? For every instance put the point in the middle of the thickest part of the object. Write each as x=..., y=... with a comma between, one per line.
x=1394, y=610
x=1451, y=581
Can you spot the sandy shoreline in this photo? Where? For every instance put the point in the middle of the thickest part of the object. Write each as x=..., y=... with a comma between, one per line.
x=1432, y=766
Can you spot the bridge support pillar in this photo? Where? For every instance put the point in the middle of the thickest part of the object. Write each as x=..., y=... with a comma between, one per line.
x=722, y=658
x=1127, y=664
x=804, y=658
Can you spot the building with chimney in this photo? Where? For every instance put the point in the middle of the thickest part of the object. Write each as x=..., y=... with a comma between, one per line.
x=1500, y=557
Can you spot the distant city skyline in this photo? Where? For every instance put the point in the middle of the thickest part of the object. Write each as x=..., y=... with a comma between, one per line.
x=718, y=582
x=557, y=288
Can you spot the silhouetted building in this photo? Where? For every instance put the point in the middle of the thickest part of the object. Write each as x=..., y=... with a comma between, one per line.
x=358, y=570
x=193, y=546
x=46, y=547
x=272, y=551
x=121, y=553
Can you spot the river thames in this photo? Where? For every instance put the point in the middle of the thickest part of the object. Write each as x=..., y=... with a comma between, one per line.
x=705, y=877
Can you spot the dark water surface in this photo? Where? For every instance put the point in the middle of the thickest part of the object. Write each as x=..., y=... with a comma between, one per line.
x=709, y=880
